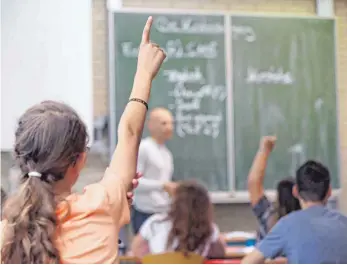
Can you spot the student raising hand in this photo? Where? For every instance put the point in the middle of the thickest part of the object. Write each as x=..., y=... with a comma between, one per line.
x=266, y=212
x=267, y=143
x=150, y=58
x=257, y=171
x=45, y=221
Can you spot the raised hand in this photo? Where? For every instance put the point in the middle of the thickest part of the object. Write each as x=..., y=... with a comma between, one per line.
x=151, y=56
x=267, y=143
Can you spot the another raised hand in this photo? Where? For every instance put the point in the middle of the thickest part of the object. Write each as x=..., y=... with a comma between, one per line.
x=151, y=56
x=257, y=171
x=267, y=143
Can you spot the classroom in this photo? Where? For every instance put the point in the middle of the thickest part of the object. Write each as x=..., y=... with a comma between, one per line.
x=243, y=86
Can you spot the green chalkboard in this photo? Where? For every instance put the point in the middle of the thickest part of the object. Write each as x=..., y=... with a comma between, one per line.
x=230, y=79
x=284, y=84
x=191, y=83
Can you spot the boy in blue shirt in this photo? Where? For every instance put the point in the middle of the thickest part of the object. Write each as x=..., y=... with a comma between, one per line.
x=314, y=234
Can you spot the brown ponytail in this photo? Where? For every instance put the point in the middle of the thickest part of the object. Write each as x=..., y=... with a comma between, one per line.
x=49, y=138
x=30, y=224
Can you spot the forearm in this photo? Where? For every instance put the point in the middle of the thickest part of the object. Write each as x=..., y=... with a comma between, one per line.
x=133, y=118
x=124, y=160
x=147, y=185
x=257, y=171
x=256, y=176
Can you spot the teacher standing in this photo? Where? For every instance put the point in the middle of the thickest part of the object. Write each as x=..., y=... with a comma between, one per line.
x=155, y=162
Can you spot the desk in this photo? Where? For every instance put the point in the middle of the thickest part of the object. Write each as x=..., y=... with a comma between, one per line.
x=226, y=260
x=129, y=260
x=223, y=261
x=238, y=247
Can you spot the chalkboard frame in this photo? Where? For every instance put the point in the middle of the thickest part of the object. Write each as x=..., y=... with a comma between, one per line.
x=233, y=196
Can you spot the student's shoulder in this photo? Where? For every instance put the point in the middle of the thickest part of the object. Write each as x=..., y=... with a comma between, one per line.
x=294, y=216
x=338, y=215
x=291, y=219
x=158, y=220
x=98, y=195
x=301, y=216
x=155, y=223
x=92, y=198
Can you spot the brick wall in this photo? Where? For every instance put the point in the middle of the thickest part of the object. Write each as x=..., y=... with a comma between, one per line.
x=100, y=63
x=301, y=7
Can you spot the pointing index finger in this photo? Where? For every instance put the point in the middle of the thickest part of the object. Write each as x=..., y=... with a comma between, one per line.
x=147, y=31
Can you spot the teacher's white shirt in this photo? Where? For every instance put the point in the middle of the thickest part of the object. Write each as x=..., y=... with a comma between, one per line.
x=156, y=164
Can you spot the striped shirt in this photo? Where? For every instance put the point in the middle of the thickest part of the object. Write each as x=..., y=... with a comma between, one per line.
x=265, y=212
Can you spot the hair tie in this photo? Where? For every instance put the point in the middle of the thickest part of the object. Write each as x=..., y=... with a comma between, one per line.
x=34, y=174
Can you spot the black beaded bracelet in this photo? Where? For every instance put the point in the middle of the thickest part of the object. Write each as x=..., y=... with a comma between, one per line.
x=140, y=101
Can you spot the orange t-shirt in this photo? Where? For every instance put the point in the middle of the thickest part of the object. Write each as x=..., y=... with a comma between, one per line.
x=89, y=226
x=89, y=223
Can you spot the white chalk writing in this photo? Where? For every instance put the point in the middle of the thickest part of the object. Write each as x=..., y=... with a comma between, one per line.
x=190, y=119
x=185, y=76
x=129, y=50
x=196, y=100
x=205, y=124
x=176, y=49
x=298, y=156
x=270, y=76
x=188, y=25
x=245, y=32
x=214, y=92
x=318, y=104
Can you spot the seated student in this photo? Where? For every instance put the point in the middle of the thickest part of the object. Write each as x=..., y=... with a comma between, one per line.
x=267, y=213
x=44, y=221
x=314, y=234
x=188, y=227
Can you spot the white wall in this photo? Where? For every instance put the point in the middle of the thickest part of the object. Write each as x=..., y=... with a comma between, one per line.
x=46, y=48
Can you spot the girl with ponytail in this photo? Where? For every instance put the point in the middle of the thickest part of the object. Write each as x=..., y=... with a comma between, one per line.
x=44, y=222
